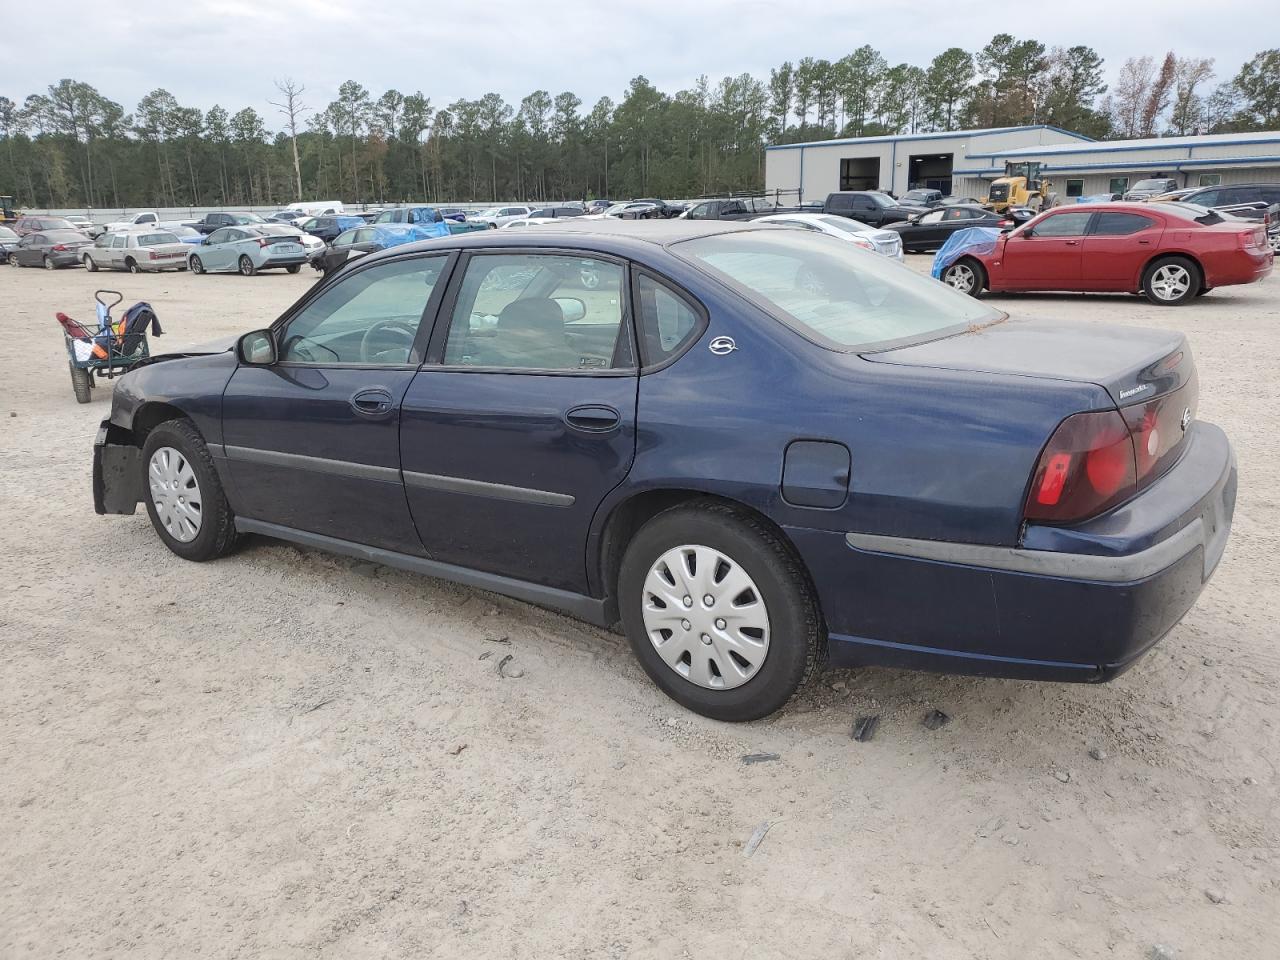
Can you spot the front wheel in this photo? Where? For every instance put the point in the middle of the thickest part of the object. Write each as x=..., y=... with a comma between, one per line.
x=718, y=611
x=183, y=495
x=195, y=265
x=1171, y=281
x=966, y=276
x=89, y=264
x=247, y=269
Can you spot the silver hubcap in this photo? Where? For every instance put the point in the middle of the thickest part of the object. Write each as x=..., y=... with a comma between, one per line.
x=1171, y=282
x=705, y=617
x=175, y=494
x=961, y=277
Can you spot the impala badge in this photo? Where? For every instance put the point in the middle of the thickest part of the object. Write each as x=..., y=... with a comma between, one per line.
x=722, y=346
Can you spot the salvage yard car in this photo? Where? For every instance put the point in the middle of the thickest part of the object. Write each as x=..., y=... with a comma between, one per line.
x=247, y=250
x=929, y=230
x=138, y=251
x=924, y=482
x=49, y=249
x=1170, y=252
x=884, y=242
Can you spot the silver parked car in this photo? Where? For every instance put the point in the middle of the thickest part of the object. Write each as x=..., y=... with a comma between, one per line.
x=137, y=251
x=499, y=216
x=247, y=250
x=885, y=242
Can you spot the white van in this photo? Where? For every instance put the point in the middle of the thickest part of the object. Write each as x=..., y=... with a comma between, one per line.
x=319, y=208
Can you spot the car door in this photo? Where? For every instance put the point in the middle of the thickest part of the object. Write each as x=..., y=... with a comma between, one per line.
x=925, y=230
x=116, y=252
x=1045, y=254
x=523, y=418
x=313, y=440
x=1116, y=248
x=958, y=218
x=27, y=254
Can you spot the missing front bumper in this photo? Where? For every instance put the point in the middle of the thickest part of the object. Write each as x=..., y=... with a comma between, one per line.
x=117, y=480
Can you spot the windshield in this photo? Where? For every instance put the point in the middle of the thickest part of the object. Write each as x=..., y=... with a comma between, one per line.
x=834, y=293
x=490, y=212
x=241, y=218
x=1151, y=185
x=7, y=234
x=880, y=199
x=845, y=225
x=155, y=239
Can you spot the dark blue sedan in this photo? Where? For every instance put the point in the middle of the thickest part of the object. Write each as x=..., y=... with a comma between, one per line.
x=756, y=449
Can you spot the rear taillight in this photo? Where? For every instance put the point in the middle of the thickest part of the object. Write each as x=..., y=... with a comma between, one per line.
x=263, y=242
x=1094, y=461
x=152, y=255
x=863, y=242
x=1005, y=223
x=60, y=248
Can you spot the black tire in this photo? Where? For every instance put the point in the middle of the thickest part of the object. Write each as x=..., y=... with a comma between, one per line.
x=196, y=265
x=796, y=636
x=293, y=268
x=247, y=269
x=132, y=265
x=954, y=276
x=217, y=534
x=90, y=264
x=81, y=383
x=1203, y=290
x=49, y=264
x=1171, y=281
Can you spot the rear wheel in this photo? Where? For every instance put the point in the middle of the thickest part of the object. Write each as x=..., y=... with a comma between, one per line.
x=89, y=264
x=183, y=495
x=196, y=266
x=293, y=268
x=967, y=276
x=247, y=268
x=49, y=264
x=81, y=383
x=131, y=265
x=719, y=612
x=1171, y=281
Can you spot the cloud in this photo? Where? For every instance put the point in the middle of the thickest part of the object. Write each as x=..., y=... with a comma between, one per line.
x=229, y=51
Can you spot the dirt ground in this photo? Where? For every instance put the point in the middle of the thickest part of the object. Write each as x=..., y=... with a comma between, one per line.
x=290, y=755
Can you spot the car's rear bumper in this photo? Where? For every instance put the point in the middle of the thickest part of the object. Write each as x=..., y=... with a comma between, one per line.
x=1076, y=604
x=1245, y=266
x=292, y=260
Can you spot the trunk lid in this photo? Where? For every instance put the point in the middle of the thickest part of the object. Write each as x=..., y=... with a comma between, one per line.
x=1133, y=364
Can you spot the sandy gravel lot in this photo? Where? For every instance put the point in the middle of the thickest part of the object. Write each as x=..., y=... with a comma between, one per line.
x=289, y=755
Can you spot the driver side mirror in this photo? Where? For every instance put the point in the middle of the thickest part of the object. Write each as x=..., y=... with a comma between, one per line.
x=572, y=307
x=257, y=349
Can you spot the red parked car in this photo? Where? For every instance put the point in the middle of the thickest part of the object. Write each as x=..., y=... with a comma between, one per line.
x=1171, y=252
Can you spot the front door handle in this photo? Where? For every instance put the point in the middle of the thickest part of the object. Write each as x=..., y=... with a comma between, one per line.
x=1073, y=243
x=373, y=404
x=593, y=418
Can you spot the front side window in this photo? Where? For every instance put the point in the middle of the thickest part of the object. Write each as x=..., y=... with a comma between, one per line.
x=345, y=239
x=371, y=317
x=666, y=320
x=935, y=217
x=835, y=293
x=539, y=312
x=1063, y=225
x=103, y=241
x=119, y=240
x=1120, y=224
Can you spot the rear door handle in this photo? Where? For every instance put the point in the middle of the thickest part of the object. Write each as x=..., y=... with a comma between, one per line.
x=373, y=404
x=593, y=418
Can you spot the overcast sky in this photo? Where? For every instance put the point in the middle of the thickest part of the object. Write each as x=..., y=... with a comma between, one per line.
x=228, y=51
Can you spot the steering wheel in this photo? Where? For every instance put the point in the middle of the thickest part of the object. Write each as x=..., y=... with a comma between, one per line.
x=396, y=324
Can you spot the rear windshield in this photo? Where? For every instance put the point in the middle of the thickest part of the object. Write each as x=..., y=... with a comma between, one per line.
x=155, y=239
x=64, y=236
x=1191, y=211
x=835, y=294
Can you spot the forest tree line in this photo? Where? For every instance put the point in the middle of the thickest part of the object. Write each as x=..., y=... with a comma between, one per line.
x=72, y=146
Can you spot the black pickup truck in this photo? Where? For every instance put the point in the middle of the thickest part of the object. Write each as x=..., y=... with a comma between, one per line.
x=216, y=221
x=734, y=208
x=871, y=207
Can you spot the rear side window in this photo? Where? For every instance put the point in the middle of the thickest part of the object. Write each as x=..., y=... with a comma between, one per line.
x=667, y=321
x=1119, y=224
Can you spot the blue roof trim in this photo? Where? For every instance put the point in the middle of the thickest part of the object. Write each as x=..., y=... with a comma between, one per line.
x=941, y=135
x=1103, y=148
x=1139, y=165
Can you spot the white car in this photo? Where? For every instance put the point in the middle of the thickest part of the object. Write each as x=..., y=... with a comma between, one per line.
x=311, y=245
x=531, y=222
x=84, y=225
x=500, y=216
x=147, y=218
x=885, y=242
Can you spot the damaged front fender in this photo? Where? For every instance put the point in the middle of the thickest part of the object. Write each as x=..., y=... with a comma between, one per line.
x=117, y=476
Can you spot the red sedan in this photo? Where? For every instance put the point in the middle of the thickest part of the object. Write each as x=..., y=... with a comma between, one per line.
x=1171, y=252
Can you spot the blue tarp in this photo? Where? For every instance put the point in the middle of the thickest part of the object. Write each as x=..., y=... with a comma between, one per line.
x=1098, y=198
x=979, y=240
x=394, y=234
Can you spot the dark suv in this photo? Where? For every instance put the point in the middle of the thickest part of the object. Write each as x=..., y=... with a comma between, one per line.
x=871, y=207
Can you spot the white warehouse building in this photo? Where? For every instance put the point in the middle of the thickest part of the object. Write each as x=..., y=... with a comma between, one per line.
x=963, y=163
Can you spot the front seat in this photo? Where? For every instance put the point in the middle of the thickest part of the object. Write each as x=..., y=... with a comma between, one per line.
x=530, y=333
